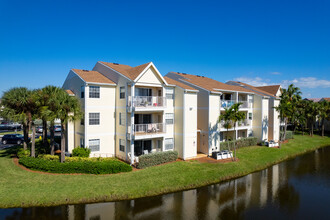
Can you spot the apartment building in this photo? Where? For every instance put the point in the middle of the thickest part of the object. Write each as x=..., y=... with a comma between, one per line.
x=131, y=111
x=214, y=97
x=268, y=98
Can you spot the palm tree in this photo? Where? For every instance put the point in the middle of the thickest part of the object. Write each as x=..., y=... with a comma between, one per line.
x=237, y=116
x=67, y=109
x=287, y=107
x=301, y=118
x=324, y=113
x=20, y=105
x=226, y=118
x=312, y=111
x=48, y=111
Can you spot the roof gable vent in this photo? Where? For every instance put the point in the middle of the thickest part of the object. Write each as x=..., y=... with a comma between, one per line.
x=116, y=63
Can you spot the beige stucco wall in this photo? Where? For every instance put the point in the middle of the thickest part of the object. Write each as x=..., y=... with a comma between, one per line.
x=214, y=126
x=178, y=121
x=256, y=122
x=105, y=131
x=75, y=130
x=150, y=76
x=265, y=118
x=190, y=125
x=276, y=121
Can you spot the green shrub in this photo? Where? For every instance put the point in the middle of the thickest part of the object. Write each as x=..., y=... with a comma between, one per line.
x=90, y=167
x=243, y=142
x=23, y=153
x=81, y=152
x=289, y=135
x=74, y=159
x=157, y=158
x=49, y=157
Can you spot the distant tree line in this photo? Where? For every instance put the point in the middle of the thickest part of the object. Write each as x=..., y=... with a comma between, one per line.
x=301, y=113
x=49, y=103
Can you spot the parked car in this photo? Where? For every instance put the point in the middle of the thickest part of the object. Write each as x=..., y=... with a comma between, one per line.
x=10, y=126
x=13, y=139
x=39, y=129
x=57, y=128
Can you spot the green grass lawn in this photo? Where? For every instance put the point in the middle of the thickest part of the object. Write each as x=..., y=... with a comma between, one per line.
x=20, y=188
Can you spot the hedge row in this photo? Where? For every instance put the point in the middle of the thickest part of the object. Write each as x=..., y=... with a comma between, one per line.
x=289, y=134
x=243, y=142
x=74, y=159
x=157, y=158
x=90, y=167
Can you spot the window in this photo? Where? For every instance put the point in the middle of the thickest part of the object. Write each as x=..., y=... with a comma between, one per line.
x=82, y=92
x=122, y=145
x=169, y=118
x=121, y=118
x=94, y=92
x=82, y=142
x=94, y=144
x=169, y=144
x=169, y=93
x=250, y=116
x=159, y=144
x=122, y=92
x=82, y=121
x=94, y=118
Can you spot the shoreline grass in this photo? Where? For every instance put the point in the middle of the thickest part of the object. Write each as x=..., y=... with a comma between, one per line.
x=21, y=188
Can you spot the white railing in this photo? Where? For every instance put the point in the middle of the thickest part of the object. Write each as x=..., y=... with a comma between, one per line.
x=227, y=103
x=153, y=128
x=245, y=104
x=243, y=123
x=147, y=101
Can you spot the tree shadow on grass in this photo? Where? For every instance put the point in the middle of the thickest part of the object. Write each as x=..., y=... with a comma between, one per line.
x=10, y=151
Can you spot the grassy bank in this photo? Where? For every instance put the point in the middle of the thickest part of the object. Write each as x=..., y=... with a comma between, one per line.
x=20, y=188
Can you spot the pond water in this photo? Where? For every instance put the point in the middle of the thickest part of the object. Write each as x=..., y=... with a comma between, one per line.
x=298, y=188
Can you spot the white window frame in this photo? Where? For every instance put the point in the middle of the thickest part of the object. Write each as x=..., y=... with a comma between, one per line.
x=82, y=92
x=122, y=120
x=94, y=116
x=94, y=92
x=169, y=142
x=169, y=117
x=94, y=145
x=122, y=91
x=169, y=92
x=122, y=144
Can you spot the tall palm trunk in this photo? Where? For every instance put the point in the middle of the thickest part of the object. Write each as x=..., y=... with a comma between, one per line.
x=25, y=133
x=33, y=145
x=52, y=134
x=44, y=133
x=322, y=127
x=63, y=142
x=312, y=124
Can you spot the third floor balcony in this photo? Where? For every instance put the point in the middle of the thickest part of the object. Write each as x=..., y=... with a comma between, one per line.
x=147, y=102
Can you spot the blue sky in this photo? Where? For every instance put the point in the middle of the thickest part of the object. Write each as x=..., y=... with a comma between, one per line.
x=258, y=42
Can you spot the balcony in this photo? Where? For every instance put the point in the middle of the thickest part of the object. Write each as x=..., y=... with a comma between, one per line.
x=229, y=103
x=152, y=130
x=240, y=124
x=147, y=102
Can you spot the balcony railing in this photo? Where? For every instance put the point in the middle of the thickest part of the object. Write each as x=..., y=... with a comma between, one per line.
x=147, y=101
x=243, y=123
x=145, y=129
x=229, y=103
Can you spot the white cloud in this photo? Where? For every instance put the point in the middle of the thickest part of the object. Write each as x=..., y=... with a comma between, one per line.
x=257, y=81
x=307, y=82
